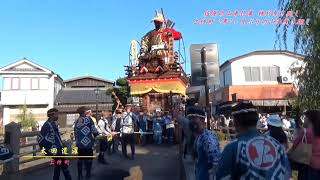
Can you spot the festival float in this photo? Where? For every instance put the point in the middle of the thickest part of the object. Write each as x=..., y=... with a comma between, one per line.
x=155, y=74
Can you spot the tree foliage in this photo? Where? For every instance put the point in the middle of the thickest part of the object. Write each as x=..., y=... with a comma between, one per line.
x=307, y=42
x=121, y=90
x=26, y=118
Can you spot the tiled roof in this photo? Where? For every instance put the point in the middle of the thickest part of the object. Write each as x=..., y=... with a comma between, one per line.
x=88, y=77
x=81, y=96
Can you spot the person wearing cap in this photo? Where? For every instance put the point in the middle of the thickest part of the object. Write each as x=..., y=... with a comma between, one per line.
x=85, y=133
x=127, y=131
x=49, y=139
x=275, y=130
x=252, y=155
x=158, y=36
x=206, y=144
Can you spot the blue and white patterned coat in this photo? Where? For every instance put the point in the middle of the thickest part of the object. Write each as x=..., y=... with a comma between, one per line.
x=49, y=137
x=254, y=156
x=5, y=153
x=208, y=151
x=85, y=131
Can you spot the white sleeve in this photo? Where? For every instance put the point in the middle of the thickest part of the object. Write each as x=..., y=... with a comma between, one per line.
x=108, y=129
x=113, y=124
x=100, y=128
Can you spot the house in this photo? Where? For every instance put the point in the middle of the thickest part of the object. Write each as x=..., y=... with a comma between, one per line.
x=266, y=78
x=27, y=83
x=83, y=91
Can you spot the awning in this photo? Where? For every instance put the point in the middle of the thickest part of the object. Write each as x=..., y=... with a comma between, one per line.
x=271, y=102
x=140, y=87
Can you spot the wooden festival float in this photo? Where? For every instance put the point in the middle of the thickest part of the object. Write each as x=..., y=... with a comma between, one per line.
x=156, y=78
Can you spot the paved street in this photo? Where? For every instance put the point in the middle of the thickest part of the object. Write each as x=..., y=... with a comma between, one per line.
x=156, y=162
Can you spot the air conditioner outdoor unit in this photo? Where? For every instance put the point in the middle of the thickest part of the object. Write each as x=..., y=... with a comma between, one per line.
x=285, y=79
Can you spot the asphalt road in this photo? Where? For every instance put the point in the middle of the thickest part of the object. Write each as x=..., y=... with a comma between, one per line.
x=156, y=162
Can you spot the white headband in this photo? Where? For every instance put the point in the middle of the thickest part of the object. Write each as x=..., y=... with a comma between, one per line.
x=196, y=115
x=244, y=111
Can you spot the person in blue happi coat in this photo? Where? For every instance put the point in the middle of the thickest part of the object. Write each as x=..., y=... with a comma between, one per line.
x=252, y=155
x=143, y=126
x=206, y=144
x=51, y=144
x=169, y=124
x=85, y=133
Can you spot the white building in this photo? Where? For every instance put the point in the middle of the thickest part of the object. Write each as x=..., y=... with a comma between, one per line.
x=266, y=78
x=25, y=82
x=260, y=68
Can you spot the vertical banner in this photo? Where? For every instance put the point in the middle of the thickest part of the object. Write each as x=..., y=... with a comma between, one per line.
x=134, y=52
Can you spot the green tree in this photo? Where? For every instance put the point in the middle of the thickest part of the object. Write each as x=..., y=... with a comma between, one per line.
x=121, y=90
x=307, y=42
x=26, y=118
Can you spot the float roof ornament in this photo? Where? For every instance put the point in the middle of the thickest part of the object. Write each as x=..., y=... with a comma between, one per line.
x=158, y=17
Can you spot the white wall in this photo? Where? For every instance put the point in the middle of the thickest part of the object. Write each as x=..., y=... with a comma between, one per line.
x=9, y=114
x=6, y=115
x=25, y=93
x=237, y=72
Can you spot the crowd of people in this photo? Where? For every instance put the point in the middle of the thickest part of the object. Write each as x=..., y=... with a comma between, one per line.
x=254, y=154
x=124, y=127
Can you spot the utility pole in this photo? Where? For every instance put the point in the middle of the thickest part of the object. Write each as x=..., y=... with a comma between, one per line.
x=97, y=92
x=206, y=88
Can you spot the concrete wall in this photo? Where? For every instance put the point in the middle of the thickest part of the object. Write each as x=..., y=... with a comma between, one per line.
x=255, y=92
x=10, y=113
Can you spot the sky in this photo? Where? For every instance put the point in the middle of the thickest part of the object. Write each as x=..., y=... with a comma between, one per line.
x=81, y=37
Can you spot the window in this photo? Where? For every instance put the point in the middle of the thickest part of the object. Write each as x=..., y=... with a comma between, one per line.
x=252, y=73
x=226, y=78
x=270, y=73
x=247, y=73
x=255, y=73
x=35, y=83
x=43, y=83
x=15, y=83
x=275, y=72
x=6, y=83
x=25, y=83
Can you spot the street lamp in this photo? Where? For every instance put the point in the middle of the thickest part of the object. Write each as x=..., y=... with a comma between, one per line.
x=97, y=92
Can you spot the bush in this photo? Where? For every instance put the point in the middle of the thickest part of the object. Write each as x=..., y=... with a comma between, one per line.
x=221, y=136
x=26, y=118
